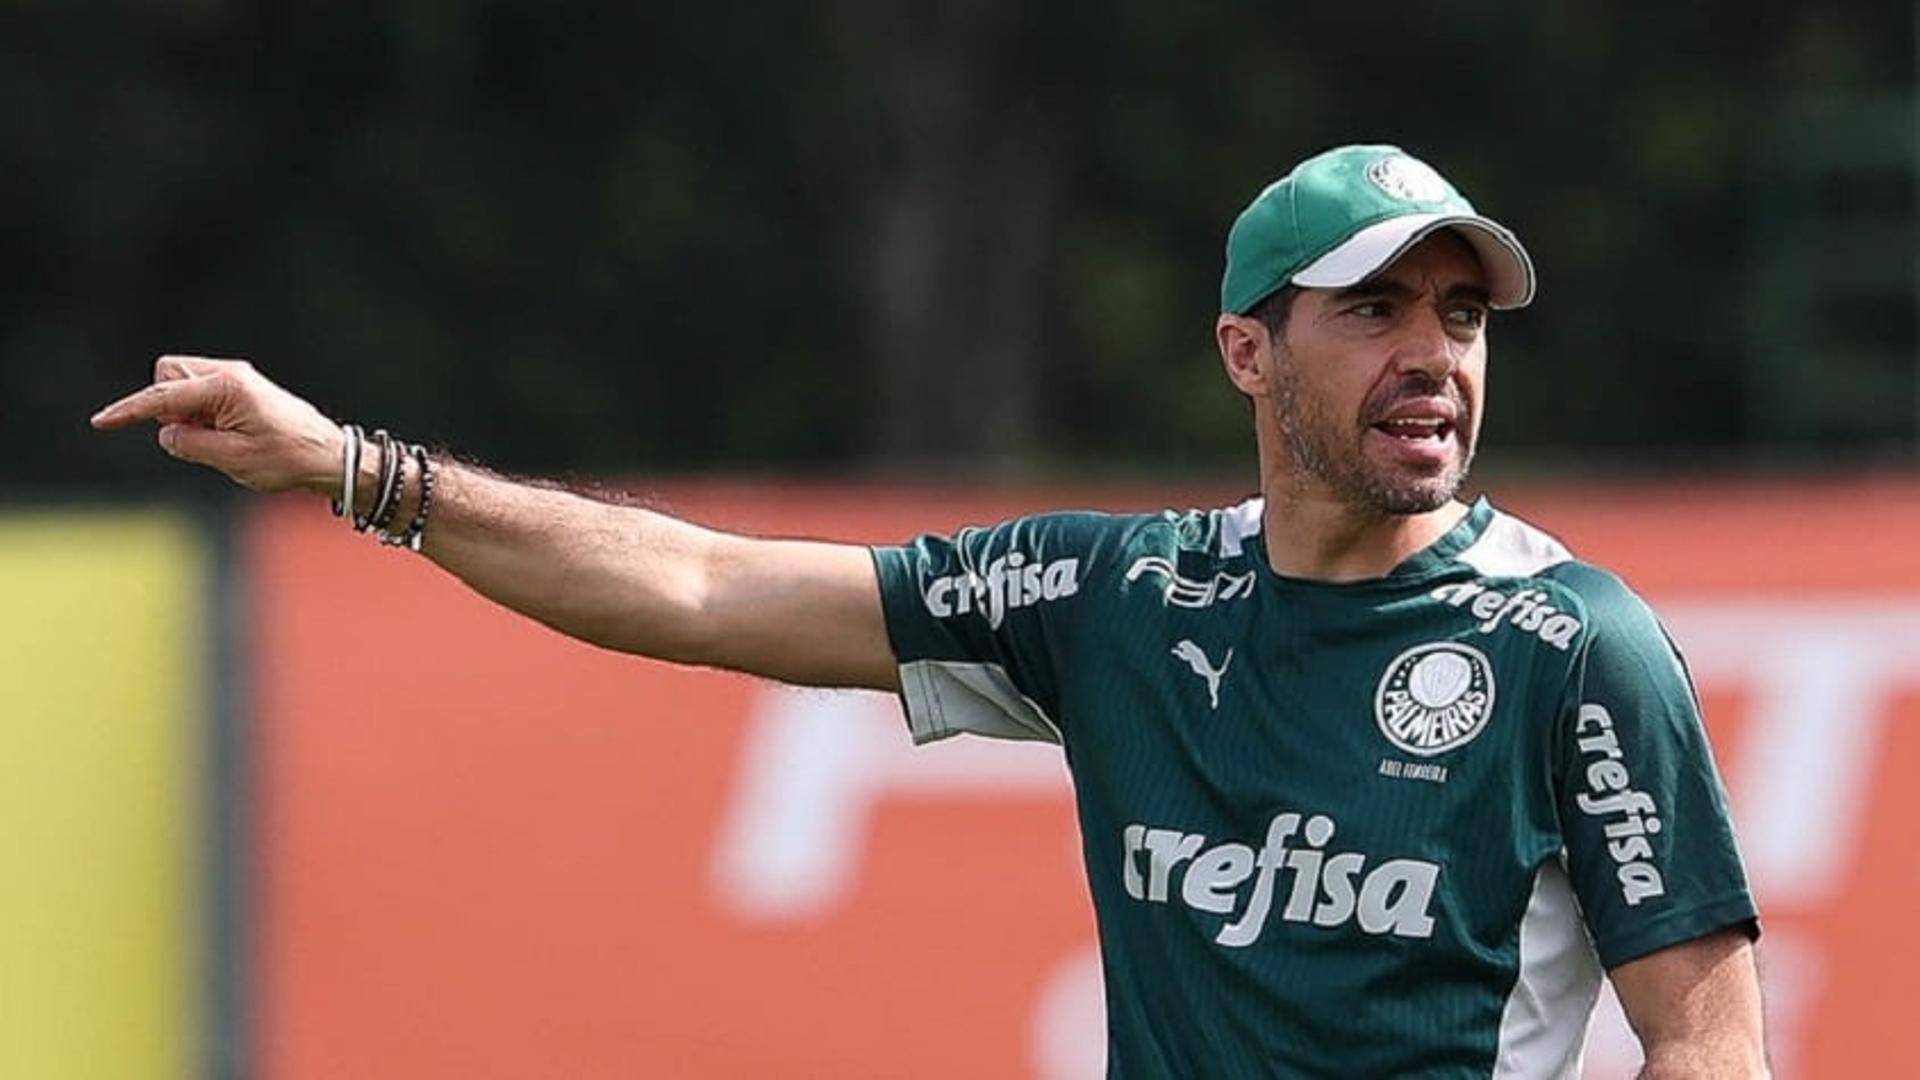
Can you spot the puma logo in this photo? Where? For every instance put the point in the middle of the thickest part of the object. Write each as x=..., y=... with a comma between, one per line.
x=1196, y=659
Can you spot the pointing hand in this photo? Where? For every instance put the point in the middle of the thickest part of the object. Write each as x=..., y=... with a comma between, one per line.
x=225, y=414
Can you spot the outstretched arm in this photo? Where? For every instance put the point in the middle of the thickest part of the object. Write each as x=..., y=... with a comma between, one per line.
x=618, y=576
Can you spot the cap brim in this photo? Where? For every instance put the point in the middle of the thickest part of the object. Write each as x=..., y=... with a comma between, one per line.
x=1367, y=252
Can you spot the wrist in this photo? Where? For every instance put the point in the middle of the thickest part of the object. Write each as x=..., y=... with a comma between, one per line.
x=325, y=453
x=367, y=472
x=377, y=492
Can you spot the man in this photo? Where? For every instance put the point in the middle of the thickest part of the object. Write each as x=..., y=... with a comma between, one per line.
x=1371, y=782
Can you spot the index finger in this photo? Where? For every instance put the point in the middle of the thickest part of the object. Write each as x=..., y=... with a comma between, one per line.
x=174, y=366
x=171, y=401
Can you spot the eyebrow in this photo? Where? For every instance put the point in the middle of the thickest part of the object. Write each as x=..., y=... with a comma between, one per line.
x=1387, y=287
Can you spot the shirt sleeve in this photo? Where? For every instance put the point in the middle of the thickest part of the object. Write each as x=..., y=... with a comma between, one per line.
x=1649, y=840
x=980, y=620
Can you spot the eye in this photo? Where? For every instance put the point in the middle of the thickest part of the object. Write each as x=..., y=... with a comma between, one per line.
x=1471, y=316
x=1370, y=309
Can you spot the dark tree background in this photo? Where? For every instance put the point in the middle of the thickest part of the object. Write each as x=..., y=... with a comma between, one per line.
x=982, y=236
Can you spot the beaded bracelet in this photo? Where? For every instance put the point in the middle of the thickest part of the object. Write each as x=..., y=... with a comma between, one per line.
x=417, y=532
x=413, y=536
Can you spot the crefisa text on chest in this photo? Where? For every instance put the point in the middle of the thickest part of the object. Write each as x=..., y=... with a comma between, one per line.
x=1527, y=610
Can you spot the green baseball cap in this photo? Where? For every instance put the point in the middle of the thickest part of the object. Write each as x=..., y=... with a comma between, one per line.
x=1341, y=216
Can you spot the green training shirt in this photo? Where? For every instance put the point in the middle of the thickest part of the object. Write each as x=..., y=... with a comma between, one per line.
x=1393, y=827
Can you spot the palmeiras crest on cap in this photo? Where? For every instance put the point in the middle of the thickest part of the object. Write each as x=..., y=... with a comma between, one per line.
x=1408, y=179
x=1434, y=697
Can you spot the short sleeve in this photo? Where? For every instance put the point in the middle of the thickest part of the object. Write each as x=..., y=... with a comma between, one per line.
x=1649, y=839
x=979, y=620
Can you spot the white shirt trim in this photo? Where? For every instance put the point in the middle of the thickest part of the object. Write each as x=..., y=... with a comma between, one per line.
x=947, y=697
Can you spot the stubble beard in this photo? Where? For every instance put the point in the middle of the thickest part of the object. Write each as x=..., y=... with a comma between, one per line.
x=1321, y=449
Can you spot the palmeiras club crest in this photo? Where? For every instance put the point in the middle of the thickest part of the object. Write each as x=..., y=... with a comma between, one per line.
x=1434, y=697
x=1407, y=179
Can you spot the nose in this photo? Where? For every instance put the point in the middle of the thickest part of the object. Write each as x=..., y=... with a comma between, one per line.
x=1426, y=346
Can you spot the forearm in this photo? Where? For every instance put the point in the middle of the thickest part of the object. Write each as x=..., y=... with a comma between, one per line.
x=614, y=575
x=618, y=576
x=630, y=579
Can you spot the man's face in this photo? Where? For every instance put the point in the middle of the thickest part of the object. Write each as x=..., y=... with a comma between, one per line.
x=1378, y=387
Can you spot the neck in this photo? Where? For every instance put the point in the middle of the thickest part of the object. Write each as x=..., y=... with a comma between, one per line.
x=1317, y=537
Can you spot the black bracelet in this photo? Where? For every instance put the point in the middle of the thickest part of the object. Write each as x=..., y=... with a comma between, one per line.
x=388, y=504
x=390, y=535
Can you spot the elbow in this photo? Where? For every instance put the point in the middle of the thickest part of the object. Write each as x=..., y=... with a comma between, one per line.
x=667, y=613
x=692, y=623
x=687, y=636
x=681, y=628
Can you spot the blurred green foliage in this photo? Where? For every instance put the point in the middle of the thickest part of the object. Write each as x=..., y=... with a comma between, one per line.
x=985, y=236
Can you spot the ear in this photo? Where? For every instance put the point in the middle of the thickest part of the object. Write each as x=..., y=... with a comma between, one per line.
x=1246, y=350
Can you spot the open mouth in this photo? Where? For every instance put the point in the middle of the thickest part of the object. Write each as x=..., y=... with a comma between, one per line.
x=1417, y=429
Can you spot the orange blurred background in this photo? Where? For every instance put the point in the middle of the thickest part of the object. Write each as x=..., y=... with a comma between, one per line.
x=484, y=850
